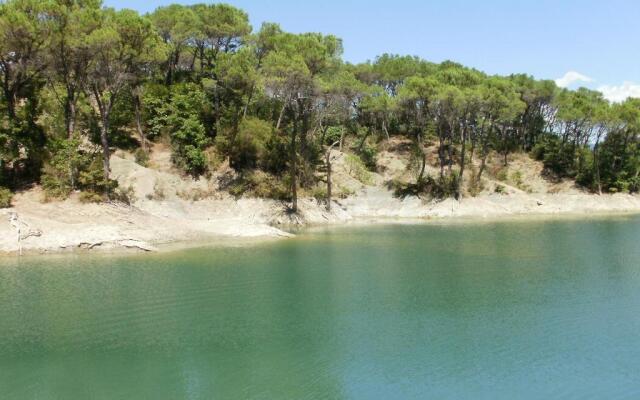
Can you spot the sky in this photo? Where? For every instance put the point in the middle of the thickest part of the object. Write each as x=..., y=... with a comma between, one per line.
x=592, y=43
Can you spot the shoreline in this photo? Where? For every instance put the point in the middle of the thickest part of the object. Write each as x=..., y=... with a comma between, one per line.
x=149, y=227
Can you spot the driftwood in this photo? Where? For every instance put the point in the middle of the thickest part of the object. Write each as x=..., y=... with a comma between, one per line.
x=23, y=230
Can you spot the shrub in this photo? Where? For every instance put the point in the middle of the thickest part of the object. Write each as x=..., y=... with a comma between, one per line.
x=502, y=174
x=260, y=184
x=516, y=178
x=319, y=192
x=436, y=188
x=500, y=189
x=333, y=134
x=249, y=145
x=141, y=157
x=5, y=197
x=475, y=184
x=369, y=154
x=188, y=143
x=276, y=155
x=357, y=169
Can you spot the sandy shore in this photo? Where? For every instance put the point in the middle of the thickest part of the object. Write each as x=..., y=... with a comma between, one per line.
x=166, y=211
x=150, y=224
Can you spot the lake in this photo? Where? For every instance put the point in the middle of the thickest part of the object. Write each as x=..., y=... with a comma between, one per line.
x=502, y=310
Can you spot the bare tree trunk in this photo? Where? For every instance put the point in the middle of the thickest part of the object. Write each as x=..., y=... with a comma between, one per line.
x=462, y=161
x=105, y=110
x=329, y=184
x=386, y=131
x=294, y=170
x=424, y=159
x=138, y=110
x=104, y=140
x=596, y=162
x=284, y=107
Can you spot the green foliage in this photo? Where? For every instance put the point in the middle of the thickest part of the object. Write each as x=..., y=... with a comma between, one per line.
x=369, y=154
x=276, y=155
x=141, y=157
x=435, y=188
x=248, y=146
x=260, y=184
x=333, y=134
x=500, y=189
x=357, y=169
x=70, y=168
x=5, y=197
x=75, y=73
x=189, y=142
x=94, y=185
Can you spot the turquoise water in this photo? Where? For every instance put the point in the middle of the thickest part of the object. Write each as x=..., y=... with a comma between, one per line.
x=510, y=310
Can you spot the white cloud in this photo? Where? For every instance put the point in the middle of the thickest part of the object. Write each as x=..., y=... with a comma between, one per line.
x=572, y=77
x=620, y=93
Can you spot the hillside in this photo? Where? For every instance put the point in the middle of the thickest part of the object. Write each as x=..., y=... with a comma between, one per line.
x=169, y=207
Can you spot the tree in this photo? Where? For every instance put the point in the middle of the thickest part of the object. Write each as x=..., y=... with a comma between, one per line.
x=177, y=26
x=123, y=41
x=72, y=22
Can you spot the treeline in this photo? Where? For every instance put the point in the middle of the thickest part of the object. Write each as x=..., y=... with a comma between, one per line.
x=79, y=80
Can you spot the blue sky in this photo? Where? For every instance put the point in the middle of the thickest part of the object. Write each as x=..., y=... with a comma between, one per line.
x=596, y=42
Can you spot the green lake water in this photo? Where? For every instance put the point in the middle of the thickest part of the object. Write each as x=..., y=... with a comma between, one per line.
x=508, y=310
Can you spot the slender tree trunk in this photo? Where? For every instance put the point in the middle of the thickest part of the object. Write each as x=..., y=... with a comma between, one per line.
x=386, y=131
x=329, y=183
x=104, y=140
x=441, y=155
x=71, y=122
x=137, y=103
x=294, y=169
x=596, y=163
x=105, y=110
x=462, y=161
x=284, y=107
x=424, y=159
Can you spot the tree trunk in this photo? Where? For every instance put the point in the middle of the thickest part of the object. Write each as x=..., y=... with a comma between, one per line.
x=284, y=107
x=294, y=170
x=137, y=103
x=386, y=132
x=329, y=184
x=462, y=160
x=424, y=159
x=104, y=140
x=596, y=163
x=71, y=120
x=70, y=111
x=441, y=155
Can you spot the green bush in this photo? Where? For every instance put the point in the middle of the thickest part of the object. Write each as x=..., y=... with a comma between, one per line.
x=5, y=197
x=260, y=184
x=369, y=154
x=189, y=142
x=249, y=147
x=333, y=134
x=500, y=189
x=357, y=169
x=276, y=155
x=141, y=157
x=436, y=188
